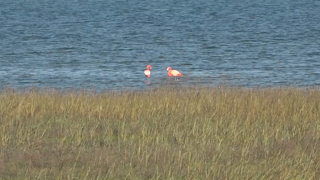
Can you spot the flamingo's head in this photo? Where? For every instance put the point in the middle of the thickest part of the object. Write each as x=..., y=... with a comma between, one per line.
x=169, y=68
x=149, y=67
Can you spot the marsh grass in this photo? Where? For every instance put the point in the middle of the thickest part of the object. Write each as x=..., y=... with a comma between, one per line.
x=165, y=133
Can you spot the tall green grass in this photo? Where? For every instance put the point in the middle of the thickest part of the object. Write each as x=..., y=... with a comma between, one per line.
x=165, y=133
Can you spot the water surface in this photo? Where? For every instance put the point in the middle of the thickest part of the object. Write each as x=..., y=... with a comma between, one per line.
x=107, y=44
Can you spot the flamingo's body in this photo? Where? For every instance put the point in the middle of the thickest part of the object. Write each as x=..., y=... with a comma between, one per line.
x=173, y=73
x=147, y=72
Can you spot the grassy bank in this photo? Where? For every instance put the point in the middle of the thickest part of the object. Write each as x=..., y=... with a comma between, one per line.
x=167, y=133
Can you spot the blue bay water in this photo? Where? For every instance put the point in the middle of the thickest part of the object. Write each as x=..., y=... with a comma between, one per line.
x=107, y=44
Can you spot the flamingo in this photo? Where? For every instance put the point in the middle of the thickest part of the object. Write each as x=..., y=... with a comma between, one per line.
x=147, y=72
x=173, y=73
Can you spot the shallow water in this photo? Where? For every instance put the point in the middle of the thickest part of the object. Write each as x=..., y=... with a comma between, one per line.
x=106, y=45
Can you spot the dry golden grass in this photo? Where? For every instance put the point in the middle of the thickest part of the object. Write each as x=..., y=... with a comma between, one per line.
x=166, y=133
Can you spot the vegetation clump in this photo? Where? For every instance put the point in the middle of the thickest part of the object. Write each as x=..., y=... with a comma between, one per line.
x=164, y=133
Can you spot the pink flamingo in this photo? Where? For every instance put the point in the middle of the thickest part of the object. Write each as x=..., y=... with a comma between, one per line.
x=147, y=72
x=173, y=73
